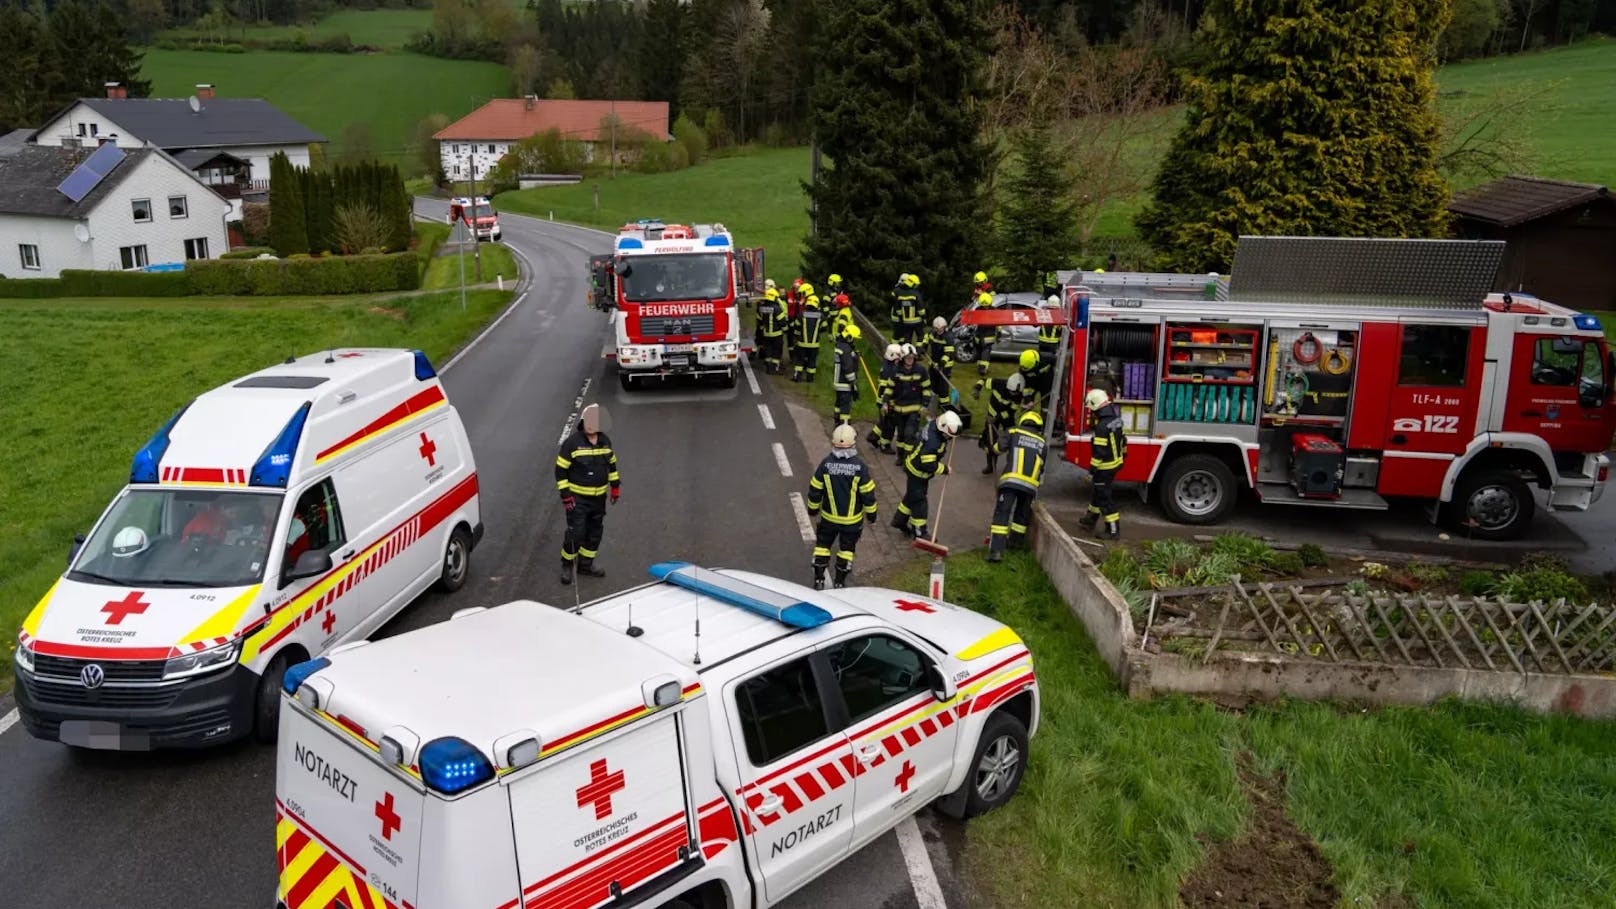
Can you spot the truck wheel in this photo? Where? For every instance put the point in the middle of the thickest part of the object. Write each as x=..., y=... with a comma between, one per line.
x=456, y=561
x=1196, y=489
x=267, y=702
x=1498, y=501
x=964, y=351
x=727, y=380
x=624, y=380
x=997, y=766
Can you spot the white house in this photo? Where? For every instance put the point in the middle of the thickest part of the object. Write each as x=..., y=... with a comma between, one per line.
x=472, y=145
x=134, y=209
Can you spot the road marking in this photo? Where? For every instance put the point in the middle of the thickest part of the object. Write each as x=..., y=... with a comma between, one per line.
x=780, y=459
x=751, y=380
x=803, y=524
x=928, y=893
x=8, y=721
x=572, y=418
x=484, y=333
x=768, y=418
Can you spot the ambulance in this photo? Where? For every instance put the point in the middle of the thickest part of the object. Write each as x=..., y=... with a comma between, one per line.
x=715, y=738
x=270, y=519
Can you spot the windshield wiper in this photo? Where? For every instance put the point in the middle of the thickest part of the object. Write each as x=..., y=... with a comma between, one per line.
x=174, y=582
x=100, y=577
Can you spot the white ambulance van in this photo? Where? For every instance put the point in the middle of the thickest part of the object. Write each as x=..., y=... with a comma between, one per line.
x=267, y=521
x=712, y=739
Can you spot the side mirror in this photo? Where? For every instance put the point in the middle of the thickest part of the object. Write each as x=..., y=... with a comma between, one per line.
x=73, y=551
x=942, y=687
x=620, y=268
x=310, y=564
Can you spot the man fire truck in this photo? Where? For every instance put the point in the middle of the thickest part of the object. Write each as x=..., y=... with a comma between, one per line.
x=714, y=739
x=1340, y=373
x=673, y=290
x=478, y=215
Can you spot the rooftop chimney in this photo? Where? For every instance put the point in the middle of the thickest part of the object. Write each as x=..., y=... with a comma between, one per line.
x=117, y=90
x=204, y=91
x=529, y=100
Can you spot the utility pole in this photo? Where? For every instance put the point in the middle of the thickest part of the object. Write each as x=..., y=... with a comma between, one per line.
x=476, y=245
x=614, y=137
x=813, y=180
x=461, y=223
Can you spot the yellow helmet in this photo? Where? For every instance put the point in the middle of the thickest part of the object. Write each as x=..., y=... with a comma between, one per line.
x=1031, y=418
x=1029, y=359
x=853, y=332
x=984, y=299
x=805, y=289
x=812, y=301
x=981, y=277
x=771, y=294
x=911, y=280
x=834, y=280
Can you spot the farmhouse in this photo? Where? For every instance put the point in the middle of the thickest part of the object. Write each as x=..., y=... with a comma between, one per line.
x=1559, y=236
x=226, y=142
x=101, y=209
x=481, y=138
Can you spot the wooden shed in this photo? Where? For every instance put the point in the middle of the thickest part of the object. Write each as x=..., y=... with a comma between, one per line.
x=1561, y=237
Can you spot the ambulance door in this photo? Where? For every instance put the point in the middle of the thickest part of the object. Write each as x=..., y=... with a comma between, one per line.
x=1432, y=410
x=1557, y=392
x=796, y=770
x=314, y=551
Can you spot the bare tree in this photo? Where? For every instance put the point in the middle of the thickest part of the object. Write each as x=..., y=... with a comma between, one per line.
x=1483, y=139
x=742, y=31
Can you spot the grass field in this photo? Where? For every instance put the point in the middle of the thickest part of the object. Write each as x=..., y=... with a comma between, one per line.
x=384, y=28
x=81, y=399
x=1458, y=805
x=326, y=92
x=444, y=270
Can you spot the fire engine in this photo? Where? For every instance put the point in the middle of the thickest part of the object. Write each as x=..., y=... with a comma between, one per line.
x=1340, y=373
x=712, y=739
x=478, y=214
x=673, y=291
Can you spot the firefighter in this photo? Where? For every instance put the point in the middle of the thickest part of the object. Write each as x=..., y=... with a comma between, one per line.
x=1039, y=371
x=928, y=459
x=908, y=310
x=1049, y=336
x=906, y=398
x=882, y=432
x=1024, y=448
x=843, y=317
x=841, y=495
x=1006, y=398
x=772, y=323
x=833, y=286
x=981, y=284
x=985, y=334
x=940, y=358
x=1109, y=448
x=807, y=328
x=844, y=378
x=804, y=291
x=586, y=473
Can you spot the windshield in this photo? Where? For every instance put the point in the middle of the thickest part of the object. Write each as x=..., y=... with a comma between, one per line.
x=699, y=276
x=481, y=211
x=182, y=538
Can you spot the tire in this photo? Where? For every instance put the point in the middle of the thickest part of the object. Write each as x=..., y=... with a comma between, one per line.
x=676, y=904
x=267, y=701
x=625, y=380
x=456, y=561
x=1499, y=501
x=964, y=351
x=728, y=379
x=1196, y=489
x=997, y=766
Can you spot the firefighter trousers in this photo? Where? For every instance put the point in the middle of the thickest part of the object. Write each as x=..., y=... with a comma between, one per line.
x=991, y=432
x=885, y=428
x=939, y=386
x=843, y=536
x=844, y=406
x=914, y=509
x=906, y=429
x=772, y=347
x=585, y=524
x=1103, y=506
x=804, y=359
x=1011, y=513
x=906, y=333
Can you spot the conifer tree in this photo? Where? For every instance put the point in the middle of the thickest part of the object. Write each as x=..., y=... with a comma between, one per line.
x=288, y=227
x=1037, y=229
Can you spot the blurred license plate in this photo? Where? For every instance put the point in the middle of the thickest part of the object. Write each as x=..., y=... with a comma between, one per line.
x=677, y=348
x=677, y=361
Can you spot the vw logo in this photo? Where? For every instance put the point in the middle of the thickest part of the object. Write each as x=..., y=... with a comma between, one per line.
x=92, y=675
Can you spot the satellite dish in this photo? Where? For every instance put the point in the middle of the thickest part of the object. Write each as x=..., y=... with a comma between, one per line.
x=82, y=231
x=196, y=104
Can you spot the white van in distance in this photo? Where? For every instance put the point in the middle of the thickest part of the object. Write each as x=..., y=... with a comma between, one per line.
x=267, y=521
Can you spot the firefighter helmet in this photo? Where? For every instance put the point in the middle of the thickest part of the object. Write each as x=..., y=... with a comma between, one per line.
x=1031, y=418
x=1015, y=383
x=843, y=436
x=981, y=277
x=771, y=294
x=949, y=422
x=984, y=299
x=834, y=280
x=853, y=332
x=797, y=284
x=1029, y=359
x=130, y=541
x=939, y=323
x=1096, y=399
x=908, y=350
x=842, y=302
x=768, y=284
x=911, y=280
x=811, y=301
x=894, y=351
x=805, y=289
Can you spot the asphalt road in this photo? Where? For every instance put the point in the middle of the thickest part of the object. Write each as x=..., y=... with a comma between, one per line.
x=703, y=480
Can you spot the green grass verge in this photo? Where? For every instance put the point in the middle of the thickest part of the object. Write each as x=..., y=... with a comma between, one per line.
x=1608, y=321
x=82, y=396
x=1455, y=805
x=384, y=28
x=443, y=272
x=326, y=92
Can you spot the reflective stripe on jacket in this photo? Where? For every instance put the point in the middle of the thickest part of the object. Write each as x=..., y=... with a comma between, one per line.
x=842, y=491
x=1110, y=443
x=1025, y=469
x=584, y=468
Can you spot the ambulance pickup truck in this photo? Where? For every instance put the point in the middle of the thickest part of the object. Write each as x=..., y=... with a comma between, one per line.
x=713, y=739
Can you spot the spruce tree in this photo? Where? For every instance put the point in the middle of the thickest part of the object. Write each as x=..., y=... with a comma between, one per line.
x=288, y=229
x=1309, y=119
x=398, y=209
x=1037, y=229
x=895, y=115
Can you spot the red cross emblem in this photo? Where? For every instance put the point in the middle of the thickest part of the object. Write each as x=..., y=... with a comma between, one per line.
x=131, y=604
x=391, y=822
x=329, y=622
x=914, y=606
x=429, y=450
x=904, y=776
x=349, y=355
x=599, y=789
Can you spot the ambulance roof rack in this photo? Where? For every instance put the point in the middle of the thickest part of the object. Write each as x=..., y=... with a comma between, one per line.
x=751, y=597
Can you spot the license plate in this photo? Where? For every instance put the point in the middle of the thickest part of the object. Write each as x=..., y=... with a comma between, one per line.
x=678, y=361
x=677, y=348
x=103, y=735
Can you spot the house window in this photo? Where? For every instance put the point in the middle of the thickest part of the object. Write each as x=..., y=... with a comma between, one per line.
x=142, y=209
x=457, y=149
x=84, y=130
x=95, y=129
x=30, y=256
x=133, y=256
x=490, y=148
x=196, y=249
x=457, y=170
x=176, y=208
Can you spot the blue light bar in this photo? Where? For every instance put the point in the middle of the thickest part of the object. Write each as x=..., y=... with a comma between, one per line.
x=1587, y=323
x=629, y=243
x=297, y=673
x=274, y=466
x=147, y=459
x=750, y=597
x=423, y=367
x=717, y=240
x=452, y=765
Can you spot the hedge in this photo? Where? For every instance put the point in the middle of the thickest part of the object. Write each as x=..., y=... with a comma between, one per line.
x=84, y=283
x=248, y=252
x=305, y=277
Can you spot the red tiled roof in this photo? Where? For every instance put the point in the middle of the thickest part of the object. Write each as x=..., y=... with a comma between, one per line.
x=1515, y=199
x=512, y=119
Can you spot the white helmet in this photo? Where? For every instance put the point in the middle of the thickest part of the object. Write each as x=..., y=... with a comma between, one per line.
x=130, y=541
x=949, y=422
x=939, y=323
x=894, y=351
x=909, y=349
x=1054, y=300
x=1015, y=382
x=843, y=436
x=1096, y=399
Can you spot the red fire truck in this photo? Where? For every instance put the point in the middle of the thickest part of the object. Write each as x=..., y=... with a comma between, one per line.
x=479, y=215
x=1340, y=373
x=673, y=290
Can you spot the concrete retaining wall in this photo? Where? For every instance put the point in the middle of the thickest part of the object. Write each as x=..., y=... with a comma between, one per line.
x=1086, y=592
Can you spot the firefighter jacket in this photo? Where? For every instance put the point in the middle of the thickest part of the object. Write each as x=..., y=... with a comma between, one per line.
x=585, y=468
x=808, y=326
x=1110, y=445
x=772, y=320
x=1025, y=468
x=883, y=380
x=843, y=319
x=940, y=351
x=1041, y=378
x=910, y=386
x=1002, y=405
x=842, y=491
x=907, y=308
x=1049, y=337
x=929, y=455
x=846, y=374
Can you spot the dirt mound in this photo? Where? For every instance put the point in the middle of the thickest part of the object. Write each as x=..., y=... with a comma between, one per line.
x=1273, y=865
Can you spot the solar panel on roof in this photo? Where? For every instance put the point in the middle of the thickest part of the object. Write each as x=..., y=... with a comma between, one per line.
x=105, y=159
x=88, y=175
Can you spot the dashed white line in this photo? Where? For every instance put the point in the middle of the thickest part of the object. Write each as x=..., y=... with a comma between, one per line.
x=572, y=418
x=751, y=379
x=780, y=459
x=10, y=719
x=928, y=893
x=768, y=418
x=803, y=524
